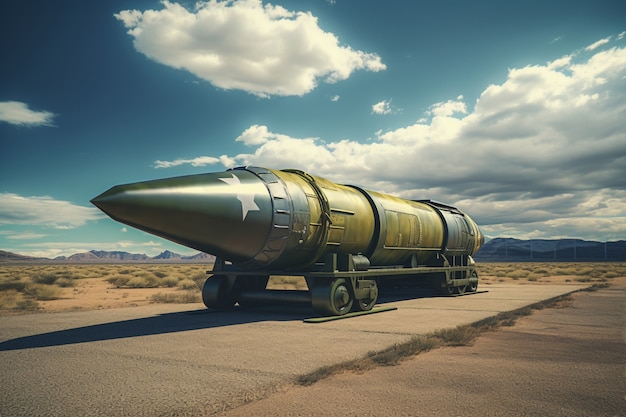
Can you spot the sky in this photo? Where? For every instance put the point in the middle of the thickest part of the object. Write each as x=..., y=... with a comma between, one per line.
x=515, y=112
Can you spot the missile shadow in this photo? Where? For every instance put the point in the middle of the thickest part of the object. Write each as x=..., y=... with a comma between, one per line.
x=148, y=326
x=186, y=321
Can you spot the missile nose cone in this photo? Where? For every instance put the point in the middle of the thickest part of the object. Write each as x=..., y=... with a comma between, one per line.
x=106, y=200
x=226, y=214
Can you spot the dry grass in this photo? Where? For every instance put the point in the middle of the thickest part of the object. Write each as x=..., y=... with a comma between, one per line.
x=545, y=272
x=182, y=297
x=23, y=287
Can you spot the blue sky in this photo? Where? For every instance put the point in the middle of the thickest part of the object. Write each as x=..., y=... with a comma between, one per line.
x=513, y=111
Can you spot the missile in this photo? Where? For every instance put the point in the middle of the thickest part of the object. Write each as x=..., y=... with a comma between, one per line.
x=258, y=221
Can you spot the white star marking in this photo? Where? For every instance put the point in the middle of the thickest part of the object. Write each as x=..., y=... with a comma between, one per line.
x=247, y=200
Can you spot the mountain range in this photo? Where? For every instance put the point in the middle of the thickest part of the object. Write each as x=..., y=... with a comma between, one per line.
x=495, y=250
x=110, y=257
x=556, y=250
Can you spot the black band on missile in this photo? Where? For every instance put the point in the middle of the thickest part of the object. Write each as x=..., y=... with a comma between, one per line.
x=281, y=218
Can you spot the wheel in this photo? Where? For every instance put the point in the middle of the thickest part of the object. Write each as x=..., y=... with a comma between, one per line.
x=367, y=304
x=461, y=289
x=334, y=299
x=443, y=287
x=446, y=289
x=217, y=292
x=473, y=285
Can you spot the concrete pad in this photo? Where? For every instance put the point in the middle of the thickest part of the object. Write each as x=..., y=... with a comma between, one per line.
x=168, y=360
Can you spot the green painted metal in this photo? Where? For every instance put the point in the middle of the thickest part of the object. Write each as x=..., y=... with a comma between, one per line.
x=341, y=238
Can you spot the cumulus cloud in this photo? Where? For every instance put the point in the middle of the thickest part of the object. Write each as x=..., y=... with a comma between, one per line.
x=18, y=113
x=44, y=211
x=382, y=107
x=242, y=44
x=448, y=108
x=542, y=154
x=255, y=135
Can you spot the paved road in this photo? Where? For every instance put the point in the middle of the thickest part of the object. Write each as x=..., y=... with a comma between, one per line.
x=181, y=360
x=558, y=362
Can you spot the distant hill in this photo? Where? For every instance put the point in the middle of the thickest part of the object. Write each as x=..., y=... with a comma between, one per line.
x=109, y=257
x=10, y=256
x=537, y=250
x=95, y=256
x=495, y=250
x=168, y=255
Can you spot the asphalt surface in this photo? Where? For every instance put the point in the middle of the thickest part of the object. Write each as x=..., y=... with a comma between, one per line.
x=564, y=361
x=184, y=360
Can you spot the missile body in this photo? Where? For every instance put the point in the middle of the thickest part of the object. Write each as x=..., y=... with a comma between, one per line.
x=258, y=221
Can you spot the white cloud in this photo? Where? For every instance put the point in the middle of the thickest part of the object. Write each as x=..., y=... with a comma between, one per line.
x=382, y=107
x=541, y=155
x=18, y=113
x=196, y=162
x=44, y=211
x=280, y=150
x=255, y=135
x=335, y=98
x=598, y=44
x=245, y=45
x=26, y=236
x=448, y=108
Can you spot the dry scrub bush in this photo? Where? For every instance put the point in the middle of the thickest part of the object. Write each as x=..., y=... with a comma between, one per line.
x=44, y=278
x=159, y=274
x=187, y=284
x=169, y=282
x=65, y=282
x=27, y=304
x=9, y=299
x=150, y=280
x=13, y=300
x=183, y=297
x=457, y=336
x=592, y=271
x=13, y=283
x=43, y=291
x=141, y=282
x=199, y=279
x=517, y=274
x=119, y=280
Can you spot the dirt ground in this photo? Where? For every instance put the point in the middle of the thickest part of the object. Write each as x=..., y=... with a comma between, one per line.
x=97, y=293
